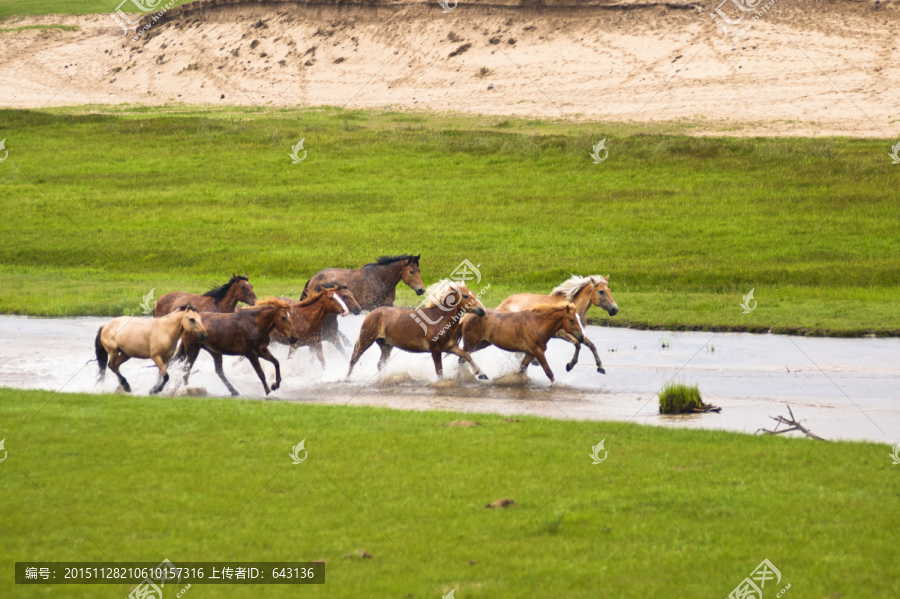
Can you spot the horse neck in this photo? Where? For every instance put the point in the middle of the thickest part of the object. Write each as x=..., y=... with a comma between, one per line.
x=230, y=301
x=173, y=323
x=582, y=300
x=265, y=319
x=315, y=313
x=389, y=274
x=549, y=324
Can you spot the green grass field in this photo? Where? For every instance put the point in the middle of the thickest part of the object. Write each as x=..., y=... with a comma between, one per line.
x=100, y=208
x=9, y=8
x=670, y=513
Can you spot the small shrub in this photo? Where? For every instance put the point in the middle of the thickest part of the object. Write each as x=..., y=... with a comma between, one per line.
x=679, y=398
x=484, y=72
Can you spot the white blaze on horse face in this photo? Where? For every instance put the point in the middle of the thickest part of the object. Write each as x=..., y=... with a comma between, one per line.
x=578, y=318
x=346, y=311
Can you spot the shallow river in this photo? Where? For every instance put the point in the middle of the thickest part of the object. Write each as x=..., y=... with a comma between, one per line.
x=838, y=388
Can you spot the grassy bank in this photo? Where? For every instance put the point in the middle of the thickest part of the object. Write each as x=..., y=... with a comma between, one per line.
x=9, y=8
x=100, y=208
x=669, y=513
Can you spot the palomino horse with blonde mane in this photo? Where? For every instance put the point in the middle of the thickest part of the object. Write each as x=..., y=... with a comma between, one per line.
x=527, y=331
x=127, y=337
x=434, y=328
x=221, y=299
x=374, y=285
x=580, y=291
x=308, y=316
x=243, y=333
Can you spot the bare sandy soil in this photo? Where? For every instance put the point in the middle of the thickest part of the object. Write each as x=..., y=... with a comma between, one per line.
x=804, y=68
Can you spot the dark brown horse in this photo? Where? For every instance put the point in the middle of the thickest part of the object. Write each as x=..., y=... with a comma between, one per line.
x=221, y=299
x=527, y=331
x=243, y=333
x=584, y=292
x=434, y=328
x=374, y=285
x=309, y=314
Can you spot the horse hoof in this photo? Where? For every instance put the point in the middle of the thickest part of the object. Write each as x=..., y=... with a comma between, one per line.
x=482, y=377
x=275, y=387
x=601, y=370
x=234, y=394
x=569, y=367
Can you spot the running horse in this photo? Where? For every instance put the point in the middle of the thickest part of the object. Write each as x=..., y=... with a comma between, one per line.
x=583, y=292
x=243, y=333
x=434, y=328
x=308, y=316
x=527, y=331
x=221, y=299
x=127, y=337
x=374, y=285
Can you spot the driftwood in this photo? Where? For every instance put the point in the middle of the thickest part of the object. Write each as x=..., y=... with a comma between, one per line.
x=792, y=423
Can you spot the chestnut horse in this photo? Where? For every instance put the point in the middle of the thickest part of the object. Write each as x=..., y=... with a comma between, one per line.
x=243, y=333
x=527, y=331
x=433, y=328
x=580, y=291
x=221, y=299
x=309, y=314
x=374, y=285
x=127, y=337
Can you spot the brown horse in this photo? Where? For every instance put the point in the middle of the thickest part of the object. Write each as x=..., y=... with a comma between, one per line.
x=243, y=333
x=221, y=299
x=126, y=337
x=374, y=285
x=580, y=291
x=309, y=314
x=527, y=331
x=434, y=328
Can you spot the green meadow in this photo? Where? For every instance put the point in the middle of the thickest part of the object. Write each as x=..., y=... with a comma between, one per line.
x=669, y=513
x=9, y=8
x=104, y=204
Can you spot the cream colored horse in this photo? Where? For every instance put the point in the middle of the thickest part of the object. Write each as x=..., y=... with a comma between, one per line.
x=155, y=339
x=583, y=292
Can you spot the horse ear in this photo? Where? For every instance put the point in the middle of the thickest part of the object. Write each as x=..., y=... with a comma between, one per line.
x=606, y=278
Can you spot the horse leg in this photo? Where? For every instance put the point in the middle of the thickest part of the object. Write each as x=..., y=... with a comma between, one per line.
x=481, y=345
x=600, y=368
x=464, y=355
x=267, y=355
x=362, y=344
x=385, y=353
x=438, y=367
x=190, y=356
x=320, y=353
x=567, y=337
x=528, y=361
x=259, y=371
x=217, y=360
x=164, y=375
x=117, y=358
x=543, y=360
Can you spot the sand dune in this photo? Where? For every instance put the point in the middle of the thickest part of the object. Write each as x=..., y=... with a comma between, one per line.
x=804, y=68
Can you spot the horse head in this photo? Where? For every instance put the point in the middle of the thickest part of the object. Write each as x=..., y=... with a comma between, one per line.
x=192, y=323
x=411, y=275
x=349, y=299
x=244, y=290
x=453, y=297
x=572, y=323
x=601, y=297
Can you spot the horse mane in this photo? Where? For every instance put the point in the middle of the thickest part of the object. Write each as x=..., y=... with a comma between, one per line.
x=551, y=308
x=571, y=286
x=382, y=260
x=187, y=306
x=274, y=302
x=445, y=286
x=219, y=293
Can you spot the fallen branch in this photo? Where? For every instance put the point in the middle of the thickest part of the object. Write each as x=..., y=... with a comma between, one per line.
x=792, y=423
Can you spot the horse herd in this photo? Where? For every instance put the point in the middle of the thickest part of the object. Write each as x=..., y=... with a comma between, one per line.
x=451, y=320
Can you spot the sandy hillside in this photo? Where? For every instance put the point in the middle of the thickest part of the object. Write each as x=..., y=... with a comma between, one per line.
x=807, y=68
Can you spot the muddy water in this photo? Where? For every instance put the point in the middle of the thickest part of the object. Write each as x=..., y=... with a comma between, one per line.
x=838, y=388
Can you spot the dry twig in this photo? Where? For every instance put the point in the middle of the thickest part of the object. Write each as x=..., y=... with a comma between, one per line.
x=792, y=423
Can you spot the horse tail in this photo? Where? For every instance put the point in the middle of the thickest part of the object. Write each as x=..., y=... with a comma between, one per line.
x=102, y=355
x=305, y=291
